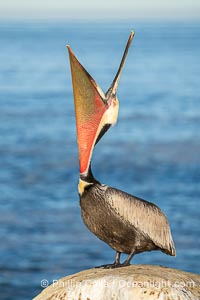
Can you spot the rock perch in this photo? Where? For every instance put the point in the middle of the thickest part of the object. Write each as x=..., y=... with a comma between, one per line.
x=136, y=282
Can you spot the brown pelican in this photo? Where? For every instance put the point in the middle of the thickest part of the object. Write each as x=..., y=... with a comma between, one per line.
x=126, y=223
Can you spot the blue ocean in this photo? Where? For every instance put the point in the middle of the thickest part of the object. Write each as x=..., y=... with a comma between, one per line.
x=153, y=151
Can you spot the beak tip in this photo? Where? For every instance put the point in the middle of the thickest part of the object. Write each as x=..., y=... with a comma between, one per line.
x=132, y=34
x=69, y=48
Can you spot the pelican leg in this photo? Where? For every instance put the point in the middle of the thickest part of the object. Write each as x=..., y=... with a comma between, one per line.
x=116, y=264
x=127, y=261
x=117, y=258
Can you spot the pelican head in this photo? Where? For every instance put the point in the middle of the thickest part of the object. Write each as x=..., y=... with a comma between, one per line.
x=95, y=111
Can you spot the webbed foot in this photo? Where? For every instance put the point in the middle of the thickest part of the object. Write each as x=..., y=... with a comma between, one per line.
x=109, y=266
x=117, y=263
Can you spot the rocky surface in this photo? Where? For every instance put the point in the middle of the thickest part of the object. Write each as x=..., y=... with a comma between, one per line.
x=128, y=283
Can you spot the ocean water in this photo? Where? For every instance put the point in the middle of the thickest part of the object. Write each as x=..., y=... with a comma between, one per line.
x=153, y=152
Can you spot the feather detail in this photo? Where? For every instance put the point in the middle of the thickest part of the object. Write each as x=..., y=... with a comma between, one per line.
x=145, y=216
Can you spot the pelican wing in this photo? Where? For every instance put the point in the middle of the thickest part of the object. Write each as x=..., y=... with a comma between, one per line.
x=145, y=216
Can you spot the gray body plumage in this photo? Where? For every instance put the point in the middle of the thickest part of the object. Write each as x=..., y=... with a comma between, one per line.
x=125, y=222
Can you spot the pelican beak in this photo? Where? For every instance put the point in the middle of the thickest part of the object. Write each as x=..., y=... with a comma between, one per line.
x=113, y=88
x=95, y=111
